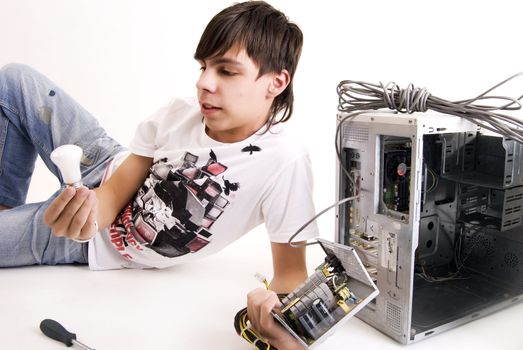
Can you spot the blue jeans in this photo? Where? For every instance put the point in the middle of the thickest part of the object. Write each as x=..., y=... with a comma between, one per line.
x=36, y=116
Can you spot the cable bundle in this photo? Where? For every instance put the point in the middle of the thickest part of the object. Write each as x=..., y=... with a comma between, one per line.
x=244, y=330
x=361, y=96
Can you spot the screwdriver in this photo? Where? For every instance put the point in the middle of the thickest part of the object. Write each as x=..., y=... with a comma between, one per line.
x=56, y=331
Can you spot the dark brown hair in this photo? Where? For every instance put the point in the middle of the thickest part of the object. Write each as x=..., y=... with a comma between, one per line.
x=267, y=36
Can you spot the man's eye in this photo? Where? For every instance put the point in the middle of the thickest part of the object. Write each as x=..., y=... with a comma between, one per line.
x=202, y=68
x=227, y=72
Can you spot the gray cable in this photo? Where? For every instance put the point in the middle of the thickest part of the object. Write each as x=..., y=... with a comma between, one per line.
x=314, y=218
x=360, y=96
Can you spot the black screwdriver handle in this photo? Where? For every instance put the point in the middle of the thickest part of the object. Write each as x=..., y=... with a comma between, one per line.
x=56, y=331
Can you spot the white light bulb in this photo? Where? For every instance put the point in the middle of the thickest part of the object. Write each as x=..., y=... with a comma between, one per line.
x=67, y=159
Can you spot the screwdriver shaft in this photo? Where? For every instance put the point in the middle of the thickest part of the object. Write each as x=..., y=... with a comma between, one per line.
x=81, y=345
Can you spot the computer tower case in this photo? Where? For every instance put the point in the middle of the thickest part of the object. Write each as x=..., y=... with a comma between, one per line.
x=438, y=218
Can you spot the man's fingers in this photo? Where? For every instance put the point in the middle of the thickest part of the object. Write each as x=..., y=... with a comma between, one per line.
x=80, y=218
x=253, y=300
x=65, y=224
x=266, y=320
x=90, y=228
x=260, y=303
x=74, y=204
x=68, y=216
x=52, y=213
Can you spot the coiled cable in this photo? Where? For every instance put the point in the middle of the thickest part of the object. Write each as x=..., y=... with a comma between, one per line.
x=361, y=96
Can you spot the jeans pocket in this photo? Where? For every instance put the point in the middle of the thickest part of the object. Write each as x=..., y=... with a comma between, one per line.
x=95, y=146
x=90, y=155
x=95, y=157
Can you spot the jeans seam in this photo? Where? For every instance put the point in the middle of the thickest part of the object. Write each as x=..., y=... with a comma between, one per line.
x=5, y=106
x=85, y=250
x=3, y=137
x=10, y=202
x=12, y=109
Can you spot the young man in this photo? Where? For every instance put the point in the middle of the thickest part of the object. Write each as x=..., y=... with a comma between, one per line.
x=198, y=175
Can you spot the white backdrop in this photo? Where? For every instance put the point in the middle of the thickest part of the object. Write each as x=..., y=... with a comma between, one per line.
x=123, y=59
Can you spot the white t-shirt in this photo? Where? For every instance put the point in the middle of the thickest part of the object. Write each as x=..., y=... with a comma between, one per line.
x=202, y=195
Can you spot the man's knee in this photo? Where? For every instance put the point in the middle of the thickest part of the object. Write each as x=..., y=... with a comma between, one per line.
x=13, y=72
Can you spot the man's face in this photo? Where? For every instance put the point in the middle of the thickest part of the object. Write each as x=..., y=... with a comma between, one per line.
x=234, y=101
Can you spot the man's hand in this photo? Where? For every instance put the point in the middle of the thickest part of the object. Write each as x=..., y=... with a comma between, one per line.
x=73, y=214
x=260, y=303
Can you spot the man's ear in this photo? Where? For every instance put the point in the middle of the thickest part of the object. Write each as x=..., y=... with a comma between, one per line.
x=279, y=82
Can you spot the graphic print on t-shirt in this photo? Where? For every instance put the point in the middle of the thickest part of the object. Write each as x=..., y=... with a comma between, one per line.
x=179, y=202
x=251, y=149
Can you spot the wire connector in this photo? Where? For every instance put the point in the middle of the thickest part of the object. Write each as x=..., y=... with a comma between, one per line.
x=262, y=279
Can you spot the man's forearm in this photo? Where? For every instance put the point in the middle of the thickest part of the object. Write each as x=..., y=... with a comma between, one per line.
x=108, y=206
x=120, y=188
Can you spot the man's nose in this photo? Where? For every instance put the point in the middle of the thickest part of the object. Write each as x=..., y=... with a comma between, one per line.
x=207, y=81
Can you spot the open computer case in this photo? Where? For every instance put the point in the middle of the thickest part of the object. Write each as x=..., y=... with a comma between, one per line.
x=438, y=222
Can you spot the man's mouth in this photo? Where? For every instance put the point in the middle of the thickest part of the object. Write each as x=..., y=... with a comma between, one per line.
x=207, y=107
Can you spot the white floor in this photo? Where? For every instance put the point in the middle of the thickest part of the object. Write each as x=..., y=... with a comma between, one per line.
x=188, y=307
